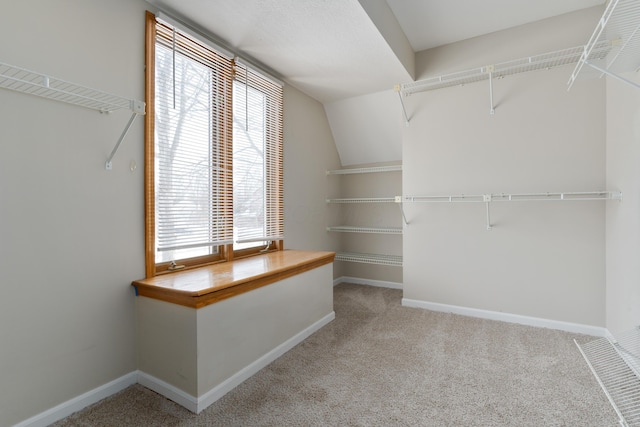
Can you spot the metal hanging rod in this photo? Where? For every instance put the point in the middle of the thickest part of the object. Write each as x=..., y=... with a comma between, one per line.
x=373, y=169
x=620, y=27
x=33, y=83
x=514, y=197
x=519, y=197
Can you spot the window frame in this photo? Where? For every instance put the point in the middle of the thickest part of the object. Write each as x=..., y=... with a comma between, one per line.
x=225, y=252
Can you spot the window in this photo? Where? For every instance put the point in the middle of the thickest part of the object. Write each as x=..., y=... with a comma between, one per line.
x=213, y=150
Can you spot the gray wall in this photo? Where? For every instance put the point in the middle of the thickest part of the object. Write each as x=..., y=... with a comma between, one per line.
x=623, y=224
x=71, y=233
x=542, y=259
x=308, y=153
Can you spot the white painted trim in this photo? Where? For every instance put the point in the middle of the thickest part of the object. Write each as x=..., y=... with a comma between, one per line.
x=239, y=377
x=370, y=282
x=169, y=391
x=67, y=408
x=197, y=405
x=507, y=317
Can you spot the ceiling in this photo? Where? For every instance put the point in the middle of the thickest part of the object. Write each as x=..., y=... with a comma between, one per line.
x=338, y=49
x=432, y=23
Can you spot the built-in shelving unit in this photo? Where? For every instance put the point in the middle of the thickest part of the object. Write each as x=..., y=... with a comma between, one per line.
x=367, y=258
x=44, y=86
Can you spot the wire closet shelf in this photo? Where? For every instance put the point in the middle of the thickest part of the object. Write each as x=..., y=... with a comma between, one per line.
x=391, y=260
x=517, y=197
x=615, y=362
x=44, y=86
x=620, y=28
x=359, y=229
x=500, y=70
x=372, y=169
x=512, y=197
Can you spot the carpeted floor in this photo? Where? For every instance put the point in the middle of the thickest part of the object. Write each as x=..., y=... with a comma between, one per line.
x=381, y=364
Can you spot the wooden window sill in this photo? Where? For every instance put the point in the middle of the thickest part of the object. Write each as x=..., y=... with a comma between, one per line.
x=202, y=286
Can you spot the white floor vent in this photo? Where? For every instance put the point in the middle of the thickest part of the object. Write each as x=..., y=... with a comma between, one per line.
x=615, y=363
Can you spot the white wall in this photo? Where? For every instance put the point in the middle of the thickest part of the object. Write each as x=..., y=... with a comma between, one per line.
x=309, y=152
x=623, y=223
x=543, y=260
x=367, y=128
x=72, y=233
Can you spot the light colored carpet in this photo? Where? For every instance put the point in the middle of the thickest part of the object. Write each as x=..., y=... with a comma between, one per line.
x=381, y=364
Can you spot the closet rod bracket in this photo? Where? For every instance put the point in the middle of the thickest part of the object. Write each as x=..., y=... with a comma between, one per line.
x=398, y=200
x=490, y=69
x=398, y=89
x=138, y=108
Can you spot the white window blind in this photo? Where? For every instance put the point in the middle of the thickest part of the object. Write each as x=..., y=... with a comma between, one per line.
x=193, y=191
x=216, y=172
x=257, y=159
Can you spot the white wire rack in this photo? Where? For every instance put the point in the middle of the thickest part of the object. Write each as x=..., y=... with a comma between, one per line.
x=357, y=229
x=373, y=169
x=543, y=61
x=515, y=197
x=391, y=260
x=615, y=364
x=44, y=86
x=620, y=28
x=368, y=258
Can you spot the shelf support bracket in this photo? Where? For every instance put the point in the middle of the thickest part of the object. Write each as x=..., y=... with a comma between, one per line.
x=404, y=110
x=490, y=69
x=137, y=107
x=398, y=200
x=487, y=199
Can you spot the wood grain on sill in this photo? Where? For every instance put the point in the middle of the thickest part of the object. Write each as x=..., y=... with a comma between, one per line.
x=202, y=286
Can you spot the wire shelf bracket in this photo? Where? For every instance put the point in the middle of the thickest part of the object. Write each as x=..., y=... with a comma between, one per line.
x=33, y=83
x=620, y=27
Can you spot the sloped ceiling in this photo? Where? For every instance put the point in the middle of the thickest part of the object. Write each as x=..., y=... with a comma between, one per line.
x=347, y=53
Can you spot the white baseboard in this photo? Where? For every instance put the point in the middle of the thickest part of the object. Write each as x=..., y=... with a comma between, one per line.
x=67, y=408
x=370, y=282
x=169, y=391
x=507, y=317
x=192, y=403
x=197, y=405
